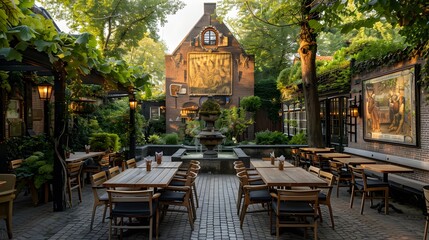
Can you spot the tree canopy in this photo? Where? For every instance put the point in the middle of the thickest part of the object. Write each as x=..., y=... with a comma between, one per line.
x=118, y=25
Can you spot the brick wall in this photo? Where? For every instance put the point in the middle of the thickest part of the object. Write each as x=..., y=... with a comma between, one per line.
x=177, y=69
x=421, y=152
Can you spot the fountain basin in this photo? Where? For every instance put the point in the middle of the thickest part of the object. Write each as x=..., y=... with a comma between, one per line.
x=221, y=164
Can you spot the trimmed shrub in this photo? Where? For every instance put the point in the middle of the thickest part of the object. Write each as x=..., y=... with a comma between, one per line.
x=171, y=139
x=104, y=141
x=271, y=138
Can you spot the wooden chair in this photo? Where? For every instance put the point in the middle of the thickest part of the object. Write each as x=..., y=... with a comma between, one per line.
x=314, y=170
x=7, y=195
x=253, y=194
x=133, y=204
x=304, y=159
x=295, y=208
x=74, y=180
x=343, y=177
x=426, y=196
x=367, y=186
x=131, y=163
x=179, y=196
x=100, y=195
x=325, y=195
x=179, y=180
x=14, y=164
x=113, y=171
x=317, y=161
x=295, y=156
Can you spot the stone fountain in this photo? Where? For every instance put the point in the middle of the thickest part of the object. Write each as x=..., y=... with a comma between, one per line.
x=209, y=136
x=211, y=160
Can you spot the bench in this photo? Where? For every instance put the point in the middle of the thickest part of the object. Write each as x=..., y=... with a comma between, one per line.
x=396, y=181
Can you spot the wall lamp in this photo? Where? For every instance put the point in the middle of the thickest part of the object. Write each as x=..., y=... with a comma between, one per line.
x=133, y=104
x=45, y=91
x=355, y=109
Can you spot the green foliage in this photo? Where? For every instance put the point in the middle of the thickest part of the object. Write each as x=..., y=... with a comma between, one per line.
x=193, y=128
x=270, y=138
x=233, y=122
x=23, y=147
x=251, y=103
x=210, y=107
x=156, y=126
x=38, y=167
x=119, y=25
x=114, y=117
x=155, y=139
x=298, y=139
x=171, y=139
x=104, y=141
x=81, y=131
x=267, y=91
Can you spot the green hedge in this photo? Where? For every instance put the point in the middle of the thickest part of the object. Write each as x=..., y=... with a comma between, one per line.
x=271, y=138
x=104, y=141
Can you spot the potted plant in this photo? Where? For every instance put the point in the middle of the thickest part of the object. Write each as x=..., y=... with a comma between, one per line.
x=36, y=171
x=210, y=110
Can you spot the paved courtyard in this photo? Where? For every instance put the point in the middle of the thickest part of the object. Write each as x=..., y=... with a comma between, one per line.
x=216, y=219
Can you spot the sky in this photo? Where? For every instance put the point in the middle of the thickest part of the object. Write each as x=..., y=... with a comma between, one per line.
x=178, y=25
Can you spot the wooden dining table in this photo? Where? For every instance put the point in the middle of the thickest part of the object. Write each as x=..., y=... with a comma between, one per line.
x=354, y=160
x=267, y=164
x=316, y=150
x=333, y=155
x=80, y=156
x=141, y=178
x=386, y=169
x=142, y=164
x=289, y=177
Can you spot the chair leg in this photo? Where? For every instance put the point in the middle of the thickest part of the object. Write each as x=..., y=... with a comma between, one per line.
x=242, y=214
x=426, y=228
x=352, y=196
x=320, y=213
x=94, y=208
x=9, y=222
x=363, y=202
x=150, y=228
x=190, y=217
x=104, y=213
x=195, y=193
x=239, y=197
x=331, y=215
x=315, y=231
x=338, y=188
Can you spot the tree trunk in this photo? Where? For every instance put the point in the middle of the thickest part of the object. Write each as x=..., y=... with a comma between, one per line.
x=307, y=51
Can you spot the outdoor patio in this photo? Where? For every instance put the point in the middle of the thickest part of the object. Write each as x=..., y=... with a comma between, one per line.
x=216, y=219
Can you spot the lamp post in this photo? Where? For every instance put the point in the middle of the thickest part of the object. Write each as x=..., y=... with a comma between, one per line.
x=133, y=106
x=45, y=93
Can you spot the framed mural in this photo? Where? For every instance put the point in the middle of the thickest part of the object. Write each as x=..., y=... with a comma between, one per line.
x=210, y=73
x=390, y=108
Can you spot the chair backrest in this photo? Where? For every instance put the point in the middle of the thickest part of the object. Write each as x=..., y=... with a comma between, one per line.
x=14, y=164
x=328, y=177
x=242, y=176
x=98, y=179
x=113, y=171
x=357, y=173
x=74, y=169
x=10, y=180
x=314, y=170
x=131, y=163
x=141, y=196
x=335, y=166
x=307, y=196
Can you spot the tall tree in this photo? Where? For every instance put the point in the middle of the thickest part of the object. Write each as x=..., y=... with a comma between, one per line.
x=117, y=24
x=149, y=54
x=307, y=16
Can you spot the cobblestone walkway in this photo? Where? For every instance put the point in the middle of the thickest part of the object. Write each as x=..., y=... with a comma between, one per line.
x=216, y=219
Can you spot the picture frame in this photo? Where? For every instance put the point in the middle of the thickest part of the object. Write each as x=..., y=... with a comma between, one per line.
x=390, y=107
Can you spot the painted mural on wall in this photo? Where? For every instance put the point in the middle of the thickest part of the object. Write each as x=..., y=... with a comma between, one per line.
x=389, y=105
x=210, y=73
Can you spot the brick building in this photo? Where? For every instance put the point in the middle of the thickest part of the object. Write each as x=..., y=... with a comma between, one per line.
x=208, y=62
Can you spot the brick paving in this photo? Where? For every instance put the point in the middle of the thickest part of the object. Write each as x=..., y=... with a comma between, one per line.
x=216, y=219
